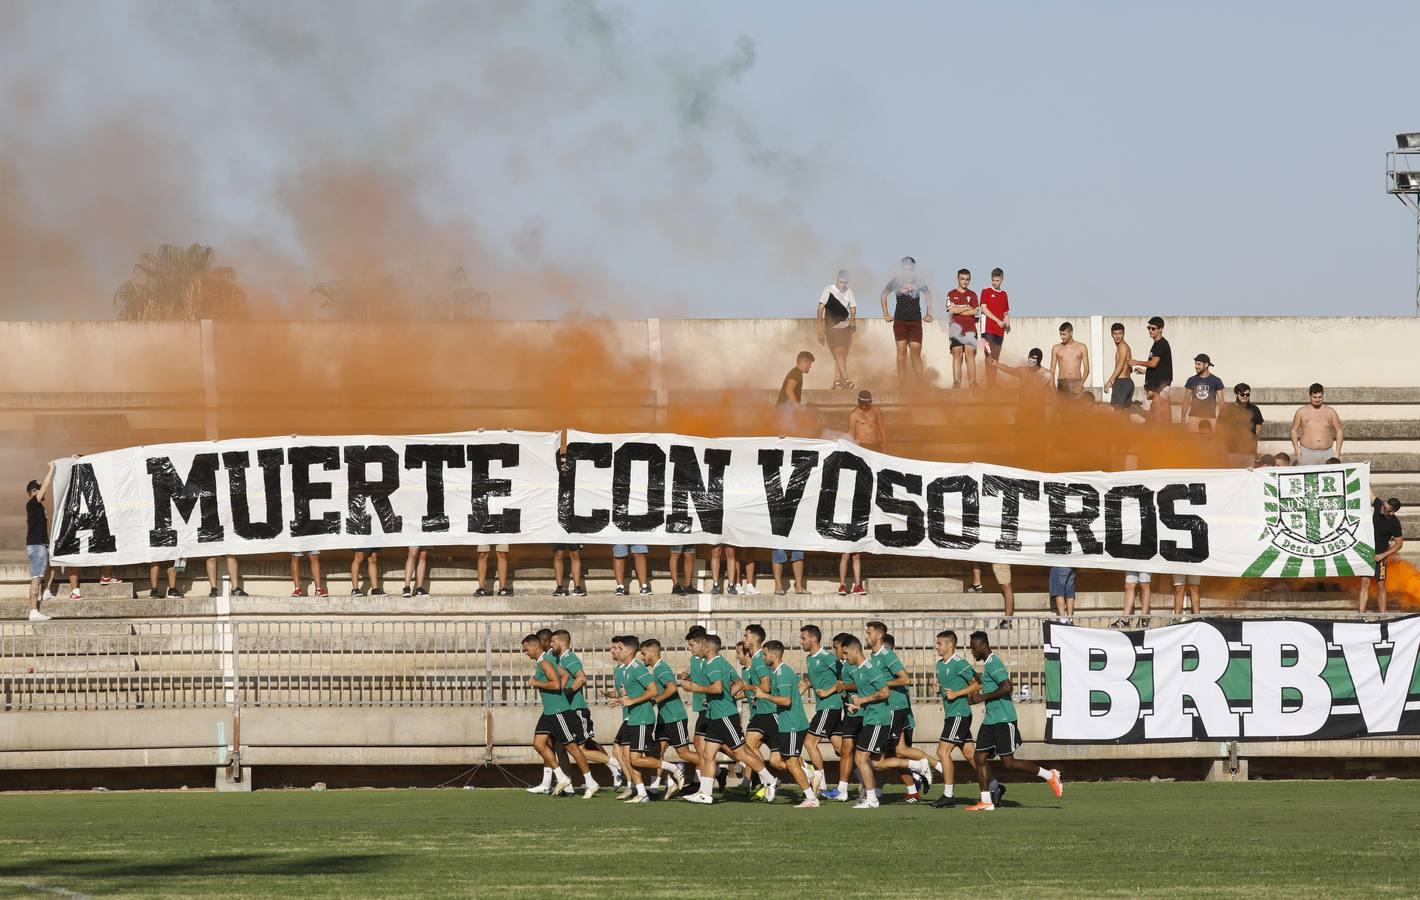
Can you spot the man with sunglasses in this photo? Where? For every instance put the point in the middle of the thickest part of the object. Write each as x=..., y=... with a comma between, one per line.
x=1158, y=368
x=1241, y=424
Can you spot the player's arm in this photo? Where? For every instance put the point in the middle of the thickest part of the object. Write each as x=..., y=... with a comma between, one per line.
x=967, y=691
x=1002, y=690
x=901, y=679
x=766, y=692
x=549, y=680
x=571, y=684
x=667, y=692
x=878, y=696
x=650, y=694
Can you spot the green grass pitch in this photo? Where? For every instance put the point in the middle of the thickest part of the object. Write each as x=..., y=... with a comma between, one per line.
x=1120, y=839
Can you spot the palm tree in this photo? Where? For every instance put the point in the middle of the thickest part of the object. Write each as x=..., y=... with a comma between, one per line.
x=180, y=283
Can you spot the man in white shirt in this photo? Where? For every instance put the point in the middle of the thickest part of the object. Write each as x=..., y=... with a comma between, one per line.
x=837, y=320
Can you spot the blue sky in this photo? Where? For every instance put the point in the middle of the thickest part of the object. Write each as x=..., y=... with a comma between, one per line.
x=717, y=159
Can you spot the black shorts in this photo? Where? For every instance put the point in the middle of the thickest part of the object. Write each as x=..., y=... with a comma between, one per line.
x=702, y=721
x=589, y=731
x=849, y=727
x=563, y=727
x=764, y=723
x=637, y=737
x=956, y=730
x=725, y=732
x=790, y=743
x=873, y=739
x=1000, y=739
x=573, y=548
x=900, y=718
x=1380, y=569
x=673, y=733
x=825, y=722
x=997, y=339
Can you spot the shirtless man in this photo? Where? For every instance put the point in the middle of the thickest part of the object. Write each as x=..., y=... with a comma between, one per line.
x=865, y=424
x=1120, y=382
x=1069, y=362
x=1316, y=428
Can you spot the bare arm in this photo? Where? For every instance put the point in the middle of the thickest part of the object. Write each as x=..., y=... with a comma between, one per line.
x=667, y=692
x=791, y=388
x=1336, y=424
x=1085, y=374
x=887, y=316
x=967, y=691
x=820, y=322
x=1296, y=433
x=650, y=694
x=1002, y=690
x=549, y=681
x=858, y=702
x=1054, y=359
x=49, y=479
x=882, y=428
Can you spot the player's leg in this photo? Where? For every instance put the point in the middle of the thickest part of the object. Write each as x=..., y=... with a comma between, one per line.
x=983, y=779
x=873, y=737
x=640, y=753
x=1008, y=741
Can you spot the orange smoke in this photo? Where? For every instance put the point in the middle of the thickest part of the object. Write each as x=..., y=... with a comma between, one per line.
x=1402, y=584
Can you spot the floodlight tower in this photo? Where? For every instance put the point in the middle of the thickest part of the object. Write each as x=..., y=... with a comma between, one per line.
x=1402, y=173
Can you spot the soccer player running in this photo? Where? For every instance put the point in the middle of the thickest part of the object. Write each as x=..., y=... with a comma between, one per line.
x=781, y=688
x=574, y=686
x=998, y=735
x=821, y=675
x=850, y=725
x=918, y=776
x=763, y=730
x=621, y=746
x=672, y=729
x=955, y=681
x=717, y=680
x=869, y=697
x=638, y=701
x=557, y=724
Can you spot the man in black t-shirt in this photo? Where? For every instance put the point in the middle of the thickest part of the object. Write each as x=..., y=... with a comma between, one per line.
x=791, y=392
x=37, y=540
x=1240, y=424
x=1389, y=540
x=912, y=307
x=1158, y=368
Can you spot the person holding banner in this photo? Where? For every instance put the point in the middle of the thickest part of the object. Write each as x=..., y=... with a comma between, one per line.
x=998, y=734
x=234, y=573
x=37, y=540
x=1389, y=536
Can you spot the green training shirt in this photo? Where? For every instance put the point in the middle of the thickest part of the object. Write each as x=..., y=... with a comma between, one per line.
x=672, y=710
x=993, y=675
x=638, y=681
x=553, y=700
x=885, y=659
x=870, y=680
x=758, y=670
x=954, y=675
x=721, y=705
x=697, y=702
x=847, y=674
x=618, y=681
x=572, y=663
x=786, y=684
x=824, y=669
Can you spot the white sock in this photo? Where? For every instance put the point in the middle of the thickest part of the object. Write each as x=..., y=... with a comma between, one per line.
x=561, y=775
x=640, y=790
x=842, y=787
x=591, y=782
x=673, y=768
x=986, y=798
x=948, y=790
x=655, y=784
x=1042, y=774
x=613, y=764
x=938, y=766
x=706, y=785
x=546, y=777
x=767, y=779
x=810, y=795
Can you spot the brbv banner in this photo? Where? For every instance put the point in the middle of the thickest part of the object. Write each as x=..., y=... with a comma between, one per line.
x=287, y=494
x=1222, y=679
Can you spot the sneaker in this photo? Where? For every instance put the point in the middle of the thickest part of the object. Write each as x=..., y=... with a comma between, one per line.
x=749, y=589
x=238, y=592
x=481, y=591
x=215, y=592
x=1119, y=623
x=830, y=795
x=843, y=590
x=912, y=798
x=715, y=588
x=562, y=787
x=621, y=590
x=639, y=798
x=626, y=793
x=733, y=589
x=590, y=791
x=155, y=594
x=298, y=592
x=174, y=594
x=944, y=802
x=374, y=592
x=868, y=802
x=48, y=594
x=322, y=592
x=677, y=590
x=645, y=589
x=356, y=592
x=975, y=588
x=505, y=592
x=771, y=790
x=859, y=589
x=110, y=580
x=998, y=793
x=579, y=591
x=676, y=786
x=540, y=789
x=421, y=592
x=704, y=799
x=407, y=592
x=75, y=595
x=37, y=616
x=1056, y=785
x=809, y=803
x=1004, y=625
x=981, y=807
x=559, y=591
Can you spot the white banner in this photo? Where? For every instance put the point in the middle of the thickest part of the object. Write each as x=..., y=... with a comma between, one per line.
x=303, y=493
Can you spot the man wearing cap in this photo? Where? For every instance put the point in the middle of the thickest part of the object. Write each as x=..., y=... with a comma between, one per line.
x=1240, y=424
x=865, y=424
x=1203, y=389
x=37, y=540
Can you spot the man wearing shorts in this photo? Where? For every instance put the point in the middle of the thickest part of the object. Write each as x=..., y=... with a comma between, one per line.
x=37, y=540
x=1062, y=591
x=557, y=724
x=1069, y=362
x=998, y=736
x=682, y=569
x=763, y=729
x=996, y=322
x=780, y=688
x=1316, y=430
x=1389, y=541
x=899, y=746
x=317, y=582
x=504, y=589
x=837, y=320
x=1193, y=584
x=638, y=553
x=821, y=674
x=717, y=680
x=795, y=560
x=963, y=305
x=1140, y=583
x=851, y=723
x=672, y=725
x=870, y=698
x=1002, y=571
x=912, y=306
x=955, y=681
x=562, y=556
x=1120, y=382
x=574, y=686
x=638, y=730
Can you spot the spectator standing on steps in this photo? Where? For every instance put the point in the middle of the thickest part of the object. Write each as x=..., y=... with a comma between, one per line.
x=564, y=555
x=996, y=322
x=1316, y=429
x=963, y=306
x=153, y=571
x=1002, y=571
x=1158, y=368
x=369, y=557
x=234, y=572
x=1203, y=388
x=618, y=566
x=1240, y=423
x=317, y=580
x=1389, y=541
x=837, y=320
x=1062, y=591
x=501, y=551
x=1069, y=362
x=416, y=573
x=912, y=306
x=37, y=539
x=1120, y=382
x=791, y=391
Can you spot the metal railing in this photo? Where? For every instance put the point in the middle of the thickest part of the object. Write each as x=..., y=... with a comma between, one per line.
x=242, y=664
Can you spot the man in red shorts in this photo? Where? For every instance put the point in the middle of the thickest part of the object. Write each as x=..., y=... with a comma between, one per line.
x=912, y=307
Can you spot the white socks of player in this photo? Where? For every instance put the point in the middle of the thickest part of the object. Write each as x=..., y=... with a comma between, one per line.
x=672, y=768
x=948, y=790
x=765, y=778
x=640, y=790
x=546, y=778
x=561, y=775
x=1042, y=774
x=707, y=785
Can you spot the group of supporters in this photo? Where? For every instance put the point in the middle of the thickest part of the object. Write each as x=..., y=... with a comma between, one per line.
x=862, y=709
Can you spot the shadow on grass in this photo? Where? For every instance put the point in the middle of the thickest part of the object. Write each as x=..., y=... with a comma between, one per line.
x=236, y=864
